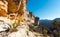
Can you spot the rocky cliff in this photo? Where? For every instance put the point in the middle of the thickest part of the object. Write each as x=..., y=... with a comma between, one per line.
x=15, y=19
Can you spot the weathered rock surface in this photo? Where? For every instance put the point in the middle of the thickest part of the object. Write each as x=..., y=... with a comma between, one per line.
x=15, y=20
x=22, y=31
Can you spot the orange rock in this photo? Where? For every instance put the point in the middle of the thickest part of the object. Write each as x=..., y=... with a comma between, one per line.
x=3, y=8
x=12, y=7
x=3, y=13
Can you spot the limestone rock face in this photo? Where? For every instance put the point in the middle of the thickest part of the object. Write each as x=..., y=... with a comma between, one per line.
x=22, y=30
x=4, y=24
x=3, y=8
x=12, y=6
x=16, y=23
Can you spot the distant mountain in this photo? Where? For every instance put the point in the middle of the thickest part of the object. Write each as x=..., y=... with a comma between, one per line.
x=46, y=23
x=57, y=19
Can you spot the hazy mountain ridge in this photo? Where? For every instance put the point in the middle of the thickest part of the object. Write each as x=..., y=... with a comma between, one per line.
x=57, y=19
x=47, y=23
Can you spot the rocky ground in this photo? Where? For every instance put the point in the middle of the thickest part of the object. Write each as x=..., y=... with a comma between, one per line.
x=22, y=30
x=15, y=24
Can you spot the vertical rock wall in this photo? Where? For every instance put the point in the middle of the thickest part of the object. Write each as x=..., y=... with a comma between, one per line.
x=18, y=19
x=3, y=8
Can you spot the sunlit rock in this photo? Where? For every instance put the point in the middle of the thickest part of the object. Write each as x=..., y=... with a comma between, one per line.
x=3, y=8
x=4, y=24
x=17, y=21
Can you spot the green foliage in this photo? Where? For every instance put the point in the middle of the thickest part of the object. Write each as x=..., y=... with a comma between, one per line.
x=15, y=24
x=1, y=20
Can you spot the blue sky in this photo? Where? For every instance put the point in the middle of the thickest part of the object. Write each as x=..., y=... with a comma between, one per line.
x=45, y=9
